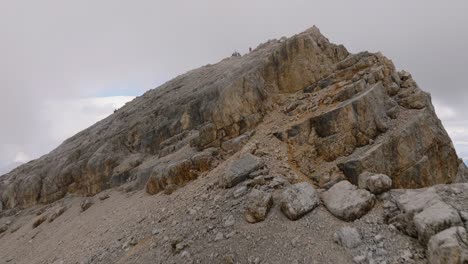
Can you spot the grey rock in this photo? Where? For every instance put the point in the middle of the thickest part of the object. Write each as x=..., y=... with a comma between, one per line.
x=39, y=220
x=434, y=219
x=362, y=259
x=229, y=221
x=57, y=212
x=86, y=204
x=156, y=231
x=239, y=170
x=462, y=175
x=415, y=201
x=104, y=196
x=219, y=236
x=3, y=228
x=347, y=202
x=348, y=237
x=258, y=205
x=240, y=191
x=299, y=199
x=448, y=247
x=379, y=183
x=235, y=144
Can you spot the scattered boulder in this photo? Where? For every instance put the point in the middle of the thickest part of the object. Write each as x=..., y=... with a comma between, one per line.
x=58, y=212
x=104, y=196
x=434, y=219
x=347, y=202
x=239, y=192
x=348, y=237
x=379, y=183
x=3, y=228
x=39, y=220
x=258, y=205
x=86, y=204
x=299, y=199
x=448, y=247
x=240, y=169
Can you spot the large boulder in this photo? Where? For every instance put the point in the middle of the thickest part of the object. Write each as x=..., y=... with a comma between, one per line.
x=374, y=182
x=347, y=202
x=379, y=183
x=448, y=247
x=258, y=205
x=299, y=199
x=435, y=218
x=239, y=170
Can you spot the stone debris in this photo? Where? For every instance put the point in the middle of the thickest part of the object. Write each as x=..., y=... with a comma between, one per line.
x=240, y=191
x=348, y=237
x=3, y=228
x=57, y=212
x=86, y=204
x=299, y=199
x=39, y=220
x=258, y=205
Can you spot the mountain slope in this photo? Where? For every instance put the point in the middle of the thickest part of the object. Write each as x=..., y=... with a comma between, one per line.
x=296, y=152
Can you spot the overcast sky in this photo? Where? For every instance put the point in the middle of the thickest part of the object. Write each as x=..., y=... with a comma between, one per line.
x=66, y=64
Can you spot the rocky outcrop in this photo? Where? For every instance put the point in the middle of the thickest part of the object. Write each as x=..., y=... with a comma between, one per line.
x=347, y=114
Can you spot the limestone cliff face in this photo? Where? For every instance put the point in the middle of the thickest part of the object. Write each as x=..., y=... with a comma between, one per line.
x=353, y=113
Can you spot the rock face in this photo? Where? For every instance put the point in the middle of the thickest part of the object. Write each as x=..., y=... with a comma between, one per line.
x=350, y=113
x=299, y=199
x=347, y=202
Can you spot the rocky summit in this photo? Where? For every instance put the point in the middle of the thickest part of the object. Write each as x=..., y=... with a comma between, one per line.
x=297, y=152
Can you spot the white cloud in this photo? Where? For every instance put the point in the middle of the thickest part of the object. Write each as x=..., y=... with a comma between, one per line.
x=21, y=157
x=443, y=111
x=68, y=117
